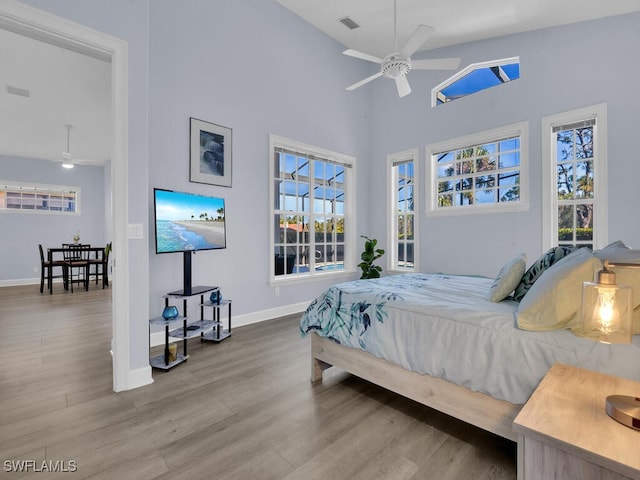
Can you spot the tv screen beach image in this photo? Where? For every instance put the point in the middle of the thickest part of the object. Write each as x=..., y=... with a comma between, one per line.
x=186, y=221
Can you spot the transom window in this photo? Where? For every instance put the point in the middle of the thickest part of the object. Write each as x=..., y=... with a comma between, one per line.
x=475, y=78
x=402, y=237
x=22, y=197
x=576, y=168
x=480, y=172
x=311, y=198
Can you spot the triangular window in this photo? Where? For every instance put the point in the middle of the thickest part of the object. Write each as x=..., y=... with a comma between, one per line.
x=475, y=78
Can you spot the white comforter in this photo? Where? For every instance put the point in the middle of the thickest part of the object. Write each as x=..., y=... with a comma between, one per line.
x=444, y=326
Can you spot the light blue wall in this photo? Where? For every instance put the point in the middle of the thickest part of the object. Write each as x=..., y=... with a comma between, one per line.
x=22, y=232
x=256, y=68
x=562, y=69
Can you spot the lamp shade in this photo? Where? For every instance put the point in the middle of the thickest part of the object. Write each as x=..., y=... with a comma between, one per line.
x=606, y=312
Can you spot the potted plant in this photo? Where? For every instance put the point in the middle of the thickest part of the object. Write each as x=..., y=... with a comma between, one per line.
x=368, y=256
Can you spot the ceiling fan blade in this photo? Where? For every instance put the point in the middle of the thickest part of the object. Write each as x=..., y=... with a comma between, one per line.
x=435, y=64
x=417, y=40
x=366, y=80
x=363, y=56
x=402, y=85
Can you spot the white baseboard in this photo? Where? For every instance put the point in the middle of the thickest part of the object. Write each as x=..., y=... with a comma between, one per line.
x=22, y=281
x=157, y=338
x=261, y=316
x=139, y=377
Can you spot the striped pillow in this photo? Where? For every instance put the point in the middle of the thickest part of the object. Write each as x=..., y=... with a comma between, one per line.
x=550, y=257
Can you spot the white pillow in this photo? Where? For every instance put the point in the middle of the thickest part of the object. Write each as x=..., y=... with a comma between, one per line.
x=508, y=278
x=554, y=300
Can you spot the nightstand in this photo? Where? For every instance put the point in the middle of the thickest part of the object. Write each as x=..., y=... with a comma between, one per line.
x=565, y=432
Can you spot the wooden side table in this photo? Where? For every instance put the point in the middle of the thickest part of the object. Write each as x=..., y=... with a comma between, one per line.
x=565, y=433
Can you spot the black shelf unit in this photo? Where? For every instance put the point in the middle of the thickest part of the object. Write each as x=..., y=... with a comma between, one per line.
x=186, y=331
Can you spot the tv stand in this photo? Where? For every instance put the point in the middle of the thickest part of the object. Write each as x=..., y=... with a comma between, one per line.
x=186, y=274
x=162, y=361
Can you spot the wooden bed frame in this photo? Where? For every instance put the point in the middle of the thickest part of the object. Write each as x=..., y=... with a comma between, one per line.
x=478, y=409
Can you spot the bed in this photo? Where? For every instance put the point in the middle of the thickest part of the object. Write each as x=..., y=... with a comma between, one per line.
x=438, y=340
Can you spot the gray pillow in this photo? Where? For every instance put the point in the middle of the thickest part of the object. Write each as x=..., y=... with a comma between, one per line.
x=615, y=251
x=550, y=257
x=508, y=278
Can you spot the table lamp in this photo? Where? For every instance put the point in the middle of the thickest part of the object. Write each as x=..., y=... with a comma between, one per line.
x=606, y=317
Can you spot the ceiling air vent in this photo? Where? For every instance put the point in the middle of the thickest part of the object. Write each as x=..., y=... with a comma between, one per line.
x=350, y=24
x=22, y=92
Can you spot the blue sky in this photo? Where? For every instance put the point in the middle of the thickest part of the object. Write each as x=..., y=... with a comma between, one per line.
x=479, y=79
x=181, y=206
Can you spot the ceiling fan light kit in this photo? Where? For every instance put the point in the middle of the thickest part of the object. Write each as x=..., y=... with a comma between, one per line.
x=398, y=64
x=395, y=66
x=67, y=161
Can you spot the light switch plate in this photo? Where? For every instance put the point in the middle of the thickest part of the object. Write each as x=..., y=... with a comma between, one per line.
x=135, y=231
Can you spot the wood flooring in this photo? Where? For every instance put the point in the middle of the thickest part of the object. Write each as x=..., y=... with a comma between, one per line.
x=241, y=409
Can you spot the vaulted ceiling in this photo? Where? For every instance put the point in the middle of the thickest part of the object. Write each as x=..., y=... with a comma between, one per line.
x=455, y=21
x=45, y=87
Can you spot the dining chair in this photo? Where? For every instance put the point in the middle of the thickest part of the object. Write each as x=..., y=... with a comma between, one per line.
x=101, y=265
x=44, y=270
x=76, y=258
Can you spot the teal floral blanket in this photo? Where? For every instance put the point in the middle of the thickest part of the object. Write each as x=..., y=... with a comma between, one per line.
x=346, y=312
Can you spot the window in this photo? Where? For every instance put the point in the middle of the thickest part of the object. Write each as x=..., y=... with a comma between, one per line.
x=16, y=196
x=402, y=196
x=312, y=210
x=484, y=172
x=574, y=178
x=475, y=78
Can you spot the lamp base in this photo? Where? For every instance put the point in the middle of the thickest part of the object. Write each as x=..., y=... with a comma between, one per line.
x=625, y=409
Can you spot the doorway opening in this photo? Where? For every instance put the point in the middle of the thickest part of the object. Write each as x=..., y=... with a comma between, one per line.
x=31, y=22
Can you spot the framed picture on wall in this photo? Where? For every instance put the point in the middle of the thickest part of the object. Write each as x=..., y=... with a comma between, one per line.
x=210, y=153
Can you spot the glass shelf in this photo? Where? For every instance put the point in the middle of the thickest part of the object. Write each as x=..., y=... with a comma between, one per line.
x=163, y=321
x=193, y=329
x=158, y=361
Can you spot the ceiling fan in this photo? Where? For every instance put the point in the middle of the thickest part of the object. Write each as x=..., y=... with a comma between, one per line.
x=397, y=64
x=68, y=161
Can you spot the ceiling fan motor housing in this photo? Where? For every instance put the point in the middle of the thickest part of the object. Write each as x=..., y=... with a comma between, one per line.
x=395, y=66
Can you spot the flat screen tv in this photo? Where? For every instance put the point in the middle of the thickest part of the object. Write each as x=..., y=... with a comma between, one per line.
x=187, y=222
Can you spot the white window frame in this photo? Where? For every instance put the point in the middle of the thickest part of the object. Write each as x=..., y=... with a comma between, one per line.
x=276, y=141
x=520, y=129
x=549, y=173
x=38, y=188
x=392, y=214
x=435, y=91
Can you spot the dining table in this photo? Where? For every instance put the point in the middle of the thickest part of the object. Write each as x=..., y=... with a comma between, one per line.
x=60, y=250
